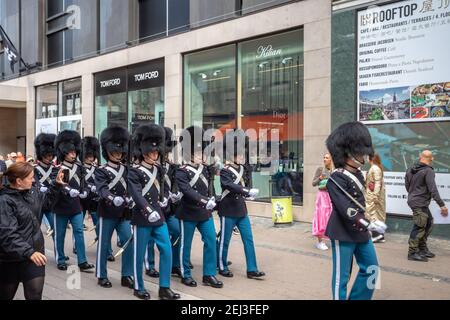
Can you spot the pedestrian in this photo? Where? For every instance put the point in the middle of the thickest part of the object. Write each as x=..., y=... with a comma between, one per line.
x=323, y=207
x=20, y=157
x=195, y=209
x=113, y=208
x=67, y=207
x=232, y=208
x=375, y=195
x=421, y=186
x=22, y=246
x=146, y=187
x=348, y=229
x=12, y=159
x=3, y=168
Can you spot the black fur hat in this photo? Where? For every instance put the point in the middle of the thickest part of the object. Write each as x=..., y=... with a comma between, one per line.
x=90, y=147
x=350, y=139
x=234, y=144
x=135, y=143
x=114, y=139
x=149, y=138
x=66, y=141
x=191, y=140
x=170, y=143
x=44, y=144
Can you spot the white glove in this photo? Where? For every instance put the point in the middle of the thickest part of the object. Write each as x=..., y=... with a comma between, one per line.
x=211, y=204
x=93, y=189
x=154, y=216
x=377, y=226
x=175, y=197
x=118, y=201
x=253, y=193
x=74, y=193
x=164, y=203
x=83, y=195
x=43, y=189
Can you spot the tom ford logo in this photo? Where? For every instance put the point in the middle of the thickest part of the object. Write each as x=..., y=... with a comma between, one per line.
x=110, y=83
x=146, y=76
x=268, y=51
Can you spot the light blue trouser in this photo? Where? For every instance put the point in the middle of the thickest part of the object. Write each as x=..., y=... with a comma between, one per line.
x=173, y=225
x=95, y=222
x=47, y=218
x=160, y=235
x=226, y=230
x=60, y=224
x=366, y=258
x=208, y=233
x=106, y=229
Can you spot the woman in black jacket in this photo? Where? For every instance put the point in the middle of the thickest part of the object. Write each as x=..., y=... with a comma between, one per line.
x=22, y=247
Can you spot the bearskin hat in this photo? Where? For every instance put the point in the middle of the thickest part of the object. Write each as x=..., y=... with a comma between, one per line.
x=170, y=143
x=114, y=139
x=148, y=138
x=135, y=143
x=191, y=140
x=66, y=141
x=235, y=142
x=350, y=139
x=44, y=145
x=90, y=147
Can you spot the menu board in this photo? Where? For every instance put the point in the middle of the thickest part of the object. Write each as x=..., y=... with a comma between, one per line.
x=403, y=62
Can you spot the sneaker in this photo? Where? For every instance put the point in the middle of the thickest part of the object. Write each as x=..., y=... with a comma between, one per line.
x=321, y=246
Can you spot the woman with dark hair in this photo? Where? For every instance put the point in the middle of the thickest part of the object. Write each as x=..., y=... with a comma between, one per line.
x=375, y=195
x=22, y=250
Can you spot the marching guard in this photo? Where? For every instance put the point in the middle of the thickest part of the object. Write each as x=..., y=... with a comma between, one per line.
x=90, y=156
x=195, y=208
x=348, y=228
x=232, y=208
x=148, y=219
x=68, y=206
x=44, y=145
x=169, y=213
x=113, y=208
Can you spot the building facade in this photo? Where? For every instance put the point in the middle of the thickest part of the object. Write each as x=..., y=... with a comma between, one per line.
x=262, y=64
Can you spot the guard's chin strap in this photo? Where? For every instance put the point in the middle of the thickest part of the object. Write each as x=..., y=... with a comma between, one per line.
x=357, y=162
x=353, y=167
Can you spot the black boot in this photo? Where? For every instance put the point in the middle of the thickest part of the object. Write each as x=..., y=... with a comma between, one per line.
x=167, y=294
x=190, y=282
x=212, y=281
x=255, y=275
x=86, y=266
x=417, y=257
x=127, y=282
x=104, y=283
x=111, y=258
x=176, y=271
x=427, y=253
x=152, y=273
x=62, y=266
x=144, y=295
x=226, y=273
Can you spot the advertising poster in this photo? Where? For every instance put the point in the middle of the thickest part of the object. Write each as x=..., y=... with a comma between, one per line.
x=403, y=62
x=49, y=125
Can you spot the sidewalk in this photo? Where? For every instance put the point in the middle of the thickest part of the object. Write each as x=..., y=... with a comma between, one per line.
x=295, y=270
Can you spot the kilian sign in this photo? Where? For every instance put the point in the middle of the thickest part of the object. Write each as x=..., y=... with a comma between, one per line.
x=268, y=51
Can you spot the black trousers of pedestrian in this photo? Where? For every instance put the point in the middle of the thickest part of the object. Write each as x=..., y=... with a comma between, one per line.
x=12, y=274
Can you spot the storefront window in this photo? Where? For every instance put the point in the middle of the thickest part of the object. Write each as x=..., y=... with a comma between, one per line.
x=210, y=88
x=58, y=107
x=272, y=99
x=129, y=97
